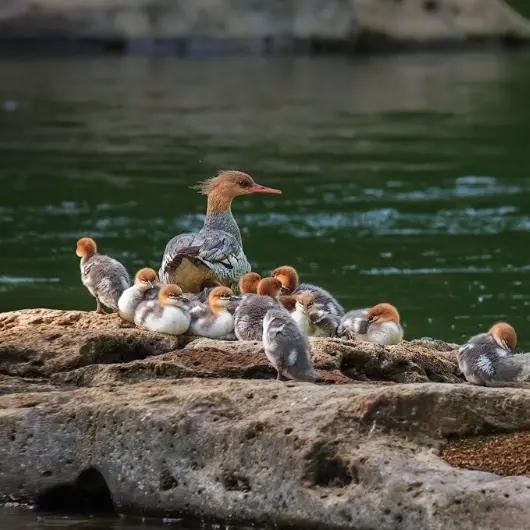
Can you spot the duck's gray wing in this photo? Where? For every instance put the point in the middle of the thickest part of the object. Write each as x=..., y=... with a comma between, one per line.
x=209, y=249
x=214, y=246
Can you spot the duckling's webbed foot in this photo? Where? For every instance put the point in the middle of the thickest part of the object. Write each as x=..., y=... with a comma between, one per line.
x=280, y=377
x=99, y=308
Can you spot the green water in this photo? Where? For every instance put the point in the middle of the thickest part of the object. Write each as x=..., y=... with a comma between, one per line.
x=405, y=179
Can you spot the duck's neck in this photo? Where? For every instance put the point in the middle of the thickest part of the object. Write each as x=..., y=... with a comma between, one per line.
x=219, y=217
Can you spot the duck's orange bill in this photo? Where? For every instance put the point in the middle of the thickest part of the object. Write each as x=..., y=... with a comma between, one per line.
x=256, y=188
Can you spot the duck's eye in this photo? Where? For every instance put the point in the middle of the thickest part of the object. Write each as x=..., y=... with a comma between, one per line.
x=244, y=183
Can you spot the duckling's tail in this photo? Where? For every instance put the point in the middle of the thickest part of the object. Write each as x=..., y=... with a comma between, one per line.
x=523, y=362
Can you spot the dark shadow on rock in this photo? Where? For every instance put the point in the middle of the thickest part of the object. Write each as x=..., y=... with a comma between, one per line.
x=89, y=494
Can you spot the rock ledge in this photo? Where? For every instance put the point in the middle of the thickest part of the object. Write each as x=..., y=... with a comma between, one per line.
x=167, y=426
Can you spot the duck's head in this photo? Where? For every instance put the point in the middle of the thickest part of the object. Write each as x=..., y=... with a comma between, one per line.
x=288, y=276
x=288, y=302
x=170, y=295
x=383, y=313
x=504, y=335
x=248, y=283
x=227, y=185
x=305, y=303
x=145, y=279
x=86, y=247
x=270, y=287
x=219, y=298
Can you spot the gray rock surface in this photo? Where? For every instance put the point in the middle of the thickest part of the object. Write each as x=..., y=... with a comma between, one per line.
x=314, y=456
x=201, y=428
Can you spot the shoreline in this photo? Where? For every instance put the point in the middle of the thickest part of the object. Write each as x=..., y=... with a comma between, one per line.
x=194, y=48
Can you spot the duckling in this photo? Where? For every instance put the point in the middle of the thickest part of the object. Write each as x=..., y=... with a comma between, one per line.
x=324, y=301
x=487, y=359
x=288, y=301
x=286, y=347
x=168, y=314
x=248, y=284
x=249, y=315
x=378, y=324
x=312, y=321
x=214, y=321
x=145, y=282
x=103, y=276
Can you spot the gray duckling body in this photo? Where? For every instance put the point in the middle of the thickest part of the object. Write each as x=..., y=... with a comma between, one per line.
x=287, y=347
x=487, y=359
x=105, y=278
x=249, y=315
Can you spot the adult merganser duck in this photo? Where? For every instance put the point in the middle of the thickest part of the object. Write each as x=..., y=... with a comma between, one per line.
x=214, y=321
x=103, y=276
x=487, y=359
x=324, y=301
x=145, y=282
x=287, y=347
x=312, y=321
x=378, y=324
x=168, y=314
x=216, y=252
x=248, y=318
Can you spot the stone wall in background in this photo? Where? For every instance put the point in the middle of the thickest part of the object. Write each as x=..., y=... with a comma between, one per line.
x=263, y=25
